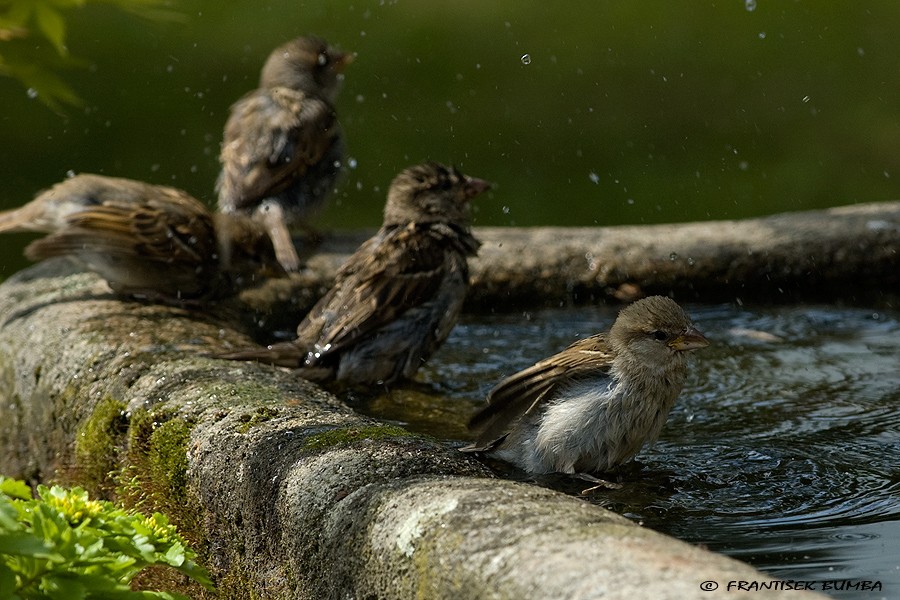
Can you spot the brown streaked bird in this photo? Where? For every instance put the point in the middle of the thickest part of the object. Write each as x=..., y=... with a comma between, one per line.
x=591, y=407
x=282, y=148
x=395, y=300
x=145, y=240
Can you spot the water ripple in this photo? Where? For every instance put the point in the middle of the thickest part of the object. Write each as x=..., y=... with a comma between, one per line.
x=782, y=450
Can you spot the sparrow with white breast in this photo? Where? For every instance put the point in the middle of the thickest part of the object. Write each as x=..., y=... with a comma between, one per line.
x=591, y=407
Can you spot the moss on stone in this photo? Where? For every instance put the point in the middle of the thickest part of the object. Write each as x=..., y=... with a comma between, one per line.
x=98, y=446
x=343, y=436
x=260, y=415
x=157, y=478
x=260, y=393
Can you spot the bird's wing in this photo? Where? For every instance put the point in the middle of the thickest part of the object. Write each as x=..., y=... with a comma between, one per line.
x=524, y=392
x=158, y=229
x=394, y=271
x=273, y=137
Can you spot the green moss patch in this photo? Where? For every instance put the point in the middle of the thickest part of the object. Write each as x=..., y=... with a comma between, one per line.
x=347, y=435
x=99, y=444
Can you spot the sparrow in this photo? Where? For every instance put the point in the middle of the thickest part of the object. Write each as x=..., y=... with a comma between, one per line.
x=591, y=407
x=282, y=147
x=145, y=240
x=395, y=299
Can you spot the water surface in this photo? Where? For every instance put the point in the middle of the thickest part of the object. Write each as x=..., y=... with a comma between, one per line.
x=782, y=450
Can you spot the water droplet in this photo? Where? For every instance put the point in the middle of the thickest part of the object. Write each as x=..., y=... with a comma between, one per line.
x=805, y=99
x=505, y=210
x=70, y=174
x=351, y=162
x=750, y=5
x=673, y=257
x=860, y=52
x=630, y=201
x=743, y=165
x=526, y=59
x=594, y=177
x=360, y=98
x=32, y=93
x=762, y=35
x=690, y=261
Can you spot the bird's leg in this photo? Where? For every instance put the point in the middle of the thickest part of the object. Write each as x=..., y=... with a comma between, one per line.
x=598, y=483
x=272, y=216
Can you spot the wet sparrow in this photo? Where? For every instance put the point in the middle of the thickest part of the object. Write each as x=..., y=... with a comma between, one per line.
x=591, y=407
x=145, y=240
x=282, y=147
x=397, y=297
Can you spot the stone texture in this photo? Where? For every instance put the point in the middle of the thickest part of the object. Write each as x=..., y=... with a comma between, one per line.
x=290, y=494
x=850, y=253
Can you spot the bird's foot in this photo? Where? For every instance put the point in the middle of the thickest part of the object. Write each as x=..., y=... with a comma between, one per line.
x=598, y=483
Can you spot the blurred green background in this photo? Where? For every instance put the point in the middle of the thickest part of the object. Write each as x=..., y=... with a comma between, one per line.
x=582, y=112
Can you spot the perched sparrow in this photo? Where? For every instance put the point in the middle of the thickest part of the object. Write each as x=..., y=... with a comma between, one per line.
x=591, y=407
x=282, y=148
x=145, y=240
x=397, y=297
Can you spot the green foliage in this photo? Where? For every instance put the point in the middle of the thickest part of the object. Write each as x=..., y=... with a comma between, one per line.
x=64, y=545
x=26, y=59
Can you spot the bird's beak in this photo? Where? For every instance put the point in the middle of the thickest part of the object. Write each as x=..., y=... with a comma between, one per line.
x=475, y=186
x=343, y=60
x=689, y=339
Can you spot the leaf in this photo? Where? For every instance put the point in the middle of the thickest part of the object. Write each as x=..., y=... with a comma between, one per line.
x=15, y=488
x=175, y=556
x=7, y=581
x=62, y=587
x=52, y=25
x=44, y=85
x=18, y=15
x=25, y=543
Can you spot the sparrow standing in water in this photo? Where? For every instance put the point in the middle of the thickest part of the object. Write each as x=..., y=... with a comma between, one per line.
x=145, y=240
x=590, y=408
x=395, y=300
x=282, y=148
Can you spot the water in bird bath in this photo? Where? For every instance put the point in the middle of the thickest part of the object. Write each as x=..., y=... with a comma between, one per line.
x=783, y=449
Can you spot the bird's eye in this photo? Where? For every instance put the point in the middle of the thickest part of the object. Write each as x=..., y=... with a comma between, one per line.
x=659, y=335
x=322, y=59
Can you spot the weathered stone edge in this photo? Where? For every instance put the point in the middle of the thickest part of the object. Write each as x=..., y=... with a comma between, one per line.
x=287, y=492
x=850, y=253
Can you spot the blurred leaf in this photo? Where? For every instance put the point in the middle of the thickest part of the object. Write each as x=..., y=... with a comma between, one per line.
x=63, y=587
x=52, y=25
x=37, y=73
x=15, y=488
x=25, y=543
x=7, y=581
x=17, y=15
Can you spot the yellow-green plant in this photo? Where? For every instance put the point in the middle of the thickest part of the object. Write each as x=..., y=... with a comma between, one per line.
x=63, y=545
x=34, y=64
